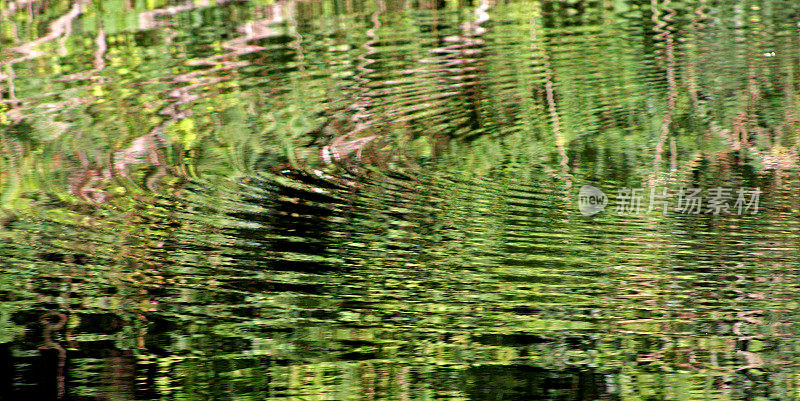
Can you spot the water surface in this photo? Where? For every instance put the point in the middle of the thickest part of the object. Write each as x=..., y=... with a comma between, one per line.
x=379, y=200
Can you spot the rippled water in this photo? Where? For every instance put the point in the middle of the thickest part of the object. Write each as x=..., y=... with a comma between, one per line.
x=379, y=200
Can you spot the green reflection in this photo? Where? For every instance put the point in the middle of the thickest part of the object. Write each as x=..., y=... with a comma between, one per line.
x=346, y=200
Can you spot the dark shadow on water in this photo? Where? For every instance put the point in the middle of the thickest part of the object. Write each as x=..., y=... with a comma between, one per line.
x=516, y=382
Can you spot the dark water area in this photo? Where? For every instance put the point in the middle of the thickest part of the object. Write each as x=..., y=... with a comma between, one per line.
x=347, y=200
